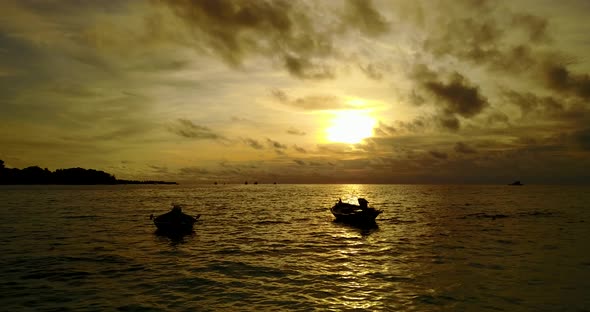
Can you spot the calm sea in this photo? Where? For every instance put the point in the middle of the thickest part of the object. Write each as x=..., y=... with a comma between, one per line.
x=276, y=247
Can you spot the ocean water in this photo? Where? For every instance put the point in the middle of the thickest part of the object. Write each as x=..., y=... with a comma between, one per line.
x=276, y=247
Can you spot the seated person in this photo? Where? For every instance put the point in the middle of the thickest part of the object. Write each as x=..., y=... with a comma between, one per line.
x=363, y=203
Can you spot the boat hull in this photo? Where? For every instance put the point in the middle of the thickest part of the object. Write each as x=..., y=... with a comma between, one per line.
x=174, y=227
x=175, y=222
x=353, y=214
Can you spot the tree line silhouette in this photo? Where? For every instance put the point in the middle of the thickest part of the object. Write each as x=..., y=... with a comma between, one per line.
x=71, y=176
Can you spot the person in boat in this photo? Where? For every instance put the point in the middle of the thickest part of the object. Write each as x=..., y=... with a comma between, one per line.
x=363, y=203
x=176, y=209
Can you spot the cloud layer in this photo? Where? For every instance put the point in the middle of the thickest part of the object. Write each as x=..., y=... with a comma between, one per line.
x=480, y=91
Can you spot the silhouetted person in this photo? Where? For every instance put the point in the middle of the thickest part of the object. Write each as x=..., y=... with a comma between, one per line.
x=363, y=203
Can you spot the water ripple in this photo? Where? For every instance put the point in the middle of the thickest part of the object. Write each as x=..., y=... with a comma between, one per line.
x=276, y=247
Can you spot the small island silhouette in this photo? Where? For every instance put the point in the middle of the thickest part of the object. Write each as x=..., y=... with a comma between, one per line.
x=71, y=176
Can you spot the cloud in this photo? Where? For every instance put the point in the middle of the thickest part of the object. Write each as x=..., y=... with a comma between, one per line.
x=453, y=97
x=313, y=102
x=253, y=143
x=498, y=118
x=449, y=122
x=530, y=103
x=299, y=162
x=558, y=77
x=191, y=171
x=295, y=131
x=372, y=71
x=186, y=128
x=458, y=95
x=235, y=30
x=306, y=69
x=582, y=137
x=365, y=18
x=439, y=155
x=159, y=169
x=536, y=26
x=463, y=148
x=275, y=144
x=383, y=129
x=299, y=149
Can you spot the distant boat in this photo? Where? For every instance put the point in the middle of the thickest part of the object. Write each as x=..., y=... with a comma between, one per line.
x=516, y=183
x=175, y=221
x=360, y=214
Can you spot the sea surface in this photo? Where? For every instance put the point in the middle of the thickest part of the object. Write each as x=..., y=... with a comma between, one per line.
x=276, y=248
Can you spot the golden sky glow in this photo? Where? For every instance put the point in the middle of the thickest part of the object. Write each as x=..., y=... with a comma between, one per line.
x=350, y=127
x=384, y=91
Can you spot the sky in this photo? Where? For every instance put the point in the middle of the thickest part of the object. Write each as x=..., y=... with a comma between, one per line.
x=332, y=91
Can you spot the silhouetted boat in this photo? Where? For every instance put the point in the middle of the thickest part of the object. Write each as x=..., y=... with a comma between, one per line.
x=175, y=221
x=355, y=214
x=516, y=183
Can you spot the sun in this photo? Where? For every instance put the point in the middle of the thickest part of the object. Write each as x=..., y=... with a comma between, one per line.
x=350, y=127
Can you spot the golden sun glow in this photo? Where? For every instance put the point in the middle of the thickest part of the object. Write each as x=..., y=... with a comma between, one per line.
x=350, y=127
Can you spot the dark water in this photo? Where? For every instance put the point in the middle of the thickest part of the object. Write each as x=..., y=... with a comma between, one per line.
x=275, y=247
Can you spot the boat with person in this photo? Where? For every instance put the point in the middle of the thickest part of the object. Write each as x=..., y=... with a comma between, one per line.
x=175, y=221
x=360, y=214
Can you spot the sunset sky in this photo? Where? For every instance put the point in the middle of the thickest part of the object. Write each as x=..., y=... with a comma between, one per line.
x=466, y=91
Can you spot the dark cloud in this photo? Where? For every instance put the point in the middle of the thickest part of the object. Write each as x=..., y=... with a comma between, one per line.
x=417, y=125
x=275, y=144
x=560, y=78
x=223, y=23
x=512, y=42
x=188, y=129
x=253, y=143
x=383, y=129
x=467, y=37
x=489, y=34
x=416, y=98
x=299, y=149
x=535, y=26
x=365, y=18
x=295, y=131
x=458, y=95
x=463, y=148
x=439, y=155
x=582, y=138
x=313, y=102
x=454, y=96
x=498, y=118
x=238, y=29
x=529, y=103
x=306, y=69
x=299, y=162
x=449, y=122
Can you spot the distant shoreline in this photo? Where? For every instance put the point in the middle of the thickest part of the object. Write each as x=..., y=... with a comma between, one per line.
x=35, y=175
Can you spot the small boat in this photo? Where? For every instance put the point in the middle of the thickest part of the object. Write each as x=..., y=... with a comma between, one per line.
x=355, y=214
x=175, y=221
x=516, y=183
